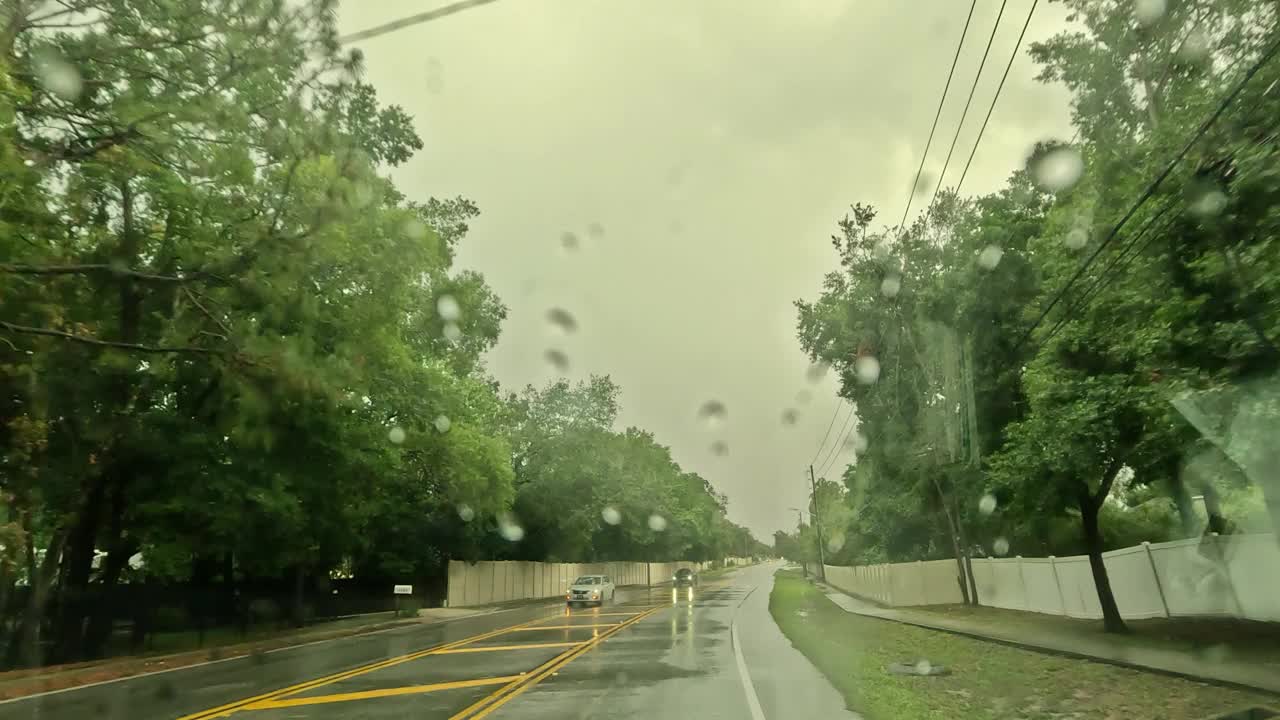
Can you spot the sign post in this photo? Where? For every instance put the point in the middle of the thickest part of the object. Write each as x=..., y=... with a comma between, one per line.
x=400, y=591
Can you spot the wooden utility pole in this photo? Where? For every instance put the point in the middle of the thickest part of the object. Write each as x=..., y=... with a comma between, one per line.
x=817, y=526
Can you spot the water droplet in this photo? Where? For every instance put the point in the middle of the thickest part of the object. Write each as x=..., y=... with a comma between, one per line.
x=611, y=515
x=1208, y=202
x=557, y=359
x=1077, y=238
x=1000, y=547
x=923, y=184
x=790, y=416
x=713, y=413
x=466, y=513
x=924, y=667
x=452, y=333
x=509, y=529
x=987, y=504
x=562, y=320
x=29, y=162
x=1057, y=169
x=569, y=241
x=720, y=448
x=396, y=435
x=448, y=309
x=595, y=231
x=890, y=285
x=883, y=250
x=442, y=423
x=435, y=76
x=1149, y=12
x=415, y=229
x=803, y=397
x=57, y=75
x=817, y=371
x=990, y=256
x=856, y=442
x=867, y=368
x=1195, y=47
x=657, y=523
x=835, y=542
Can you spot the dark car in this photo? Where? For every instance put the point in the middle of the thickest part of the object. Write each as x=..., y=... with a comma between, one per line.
x=685, y=577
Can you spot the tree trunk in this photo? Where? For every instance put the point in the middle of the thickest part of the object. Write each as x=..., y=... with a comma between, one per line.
x=1213, y=508
x=971, y=598
x=1182, y=501
x=24, y=647
x=77, y=566
x=1111, y=620
x=959, y=553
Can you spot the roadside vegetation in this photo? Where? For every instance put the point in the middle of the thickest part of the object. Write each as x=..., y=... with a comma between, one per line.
x=1085, y=358
x=986, y=680
x=241, y=378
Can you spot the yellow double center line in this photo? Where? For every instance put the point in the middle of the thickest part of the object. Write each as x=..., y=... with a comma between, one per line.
x=503, y=695
x=229, y=708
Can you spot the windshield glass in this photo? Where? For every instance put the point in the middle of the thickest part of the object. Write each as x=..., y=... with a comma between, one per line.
x=888, y=358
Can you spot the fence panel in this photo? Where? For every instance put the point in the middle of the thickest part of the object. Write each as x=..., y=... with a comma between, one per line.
x=1043, y=595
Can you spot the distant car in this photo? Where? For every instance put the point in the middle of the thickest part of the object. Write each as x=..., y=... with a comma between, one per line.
x=590, y=589
x=684, y=577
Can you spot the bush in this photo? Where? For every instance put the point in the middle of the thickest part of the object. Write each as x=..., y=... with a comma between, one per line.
x=263, y=610
x=169, y=617
x=409, y=607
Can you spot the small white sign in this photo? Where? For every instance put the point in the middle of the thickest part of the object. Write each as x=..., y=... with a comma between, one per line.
x=403, y=590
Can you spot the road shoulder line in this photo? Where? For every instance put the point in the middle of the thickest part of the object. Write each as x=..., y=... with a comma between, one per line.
x=749, y=688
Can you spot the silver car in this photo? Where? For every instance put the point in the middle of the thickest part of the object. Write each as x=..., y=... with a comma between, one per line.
x=590, y=589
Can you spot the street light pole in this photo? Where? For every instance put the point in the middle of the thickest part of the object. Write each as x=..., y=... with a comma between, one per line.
x=817, y=526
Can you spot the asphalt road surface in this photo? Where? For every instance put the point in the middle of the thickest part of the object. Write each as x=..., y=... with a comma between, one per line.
x=714, y=652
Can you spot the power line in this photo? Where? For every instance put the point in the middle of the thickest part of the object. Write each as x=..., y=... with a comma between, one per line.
x=965, y=113
x=412, y=20
x=1013, y=56
x=835, y=447
x=942, y=100
x=1155, y=185
x=830, y=425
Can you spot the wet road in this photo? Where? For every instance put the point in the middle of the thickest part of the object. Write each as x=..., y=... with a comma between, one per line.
x=711, y=653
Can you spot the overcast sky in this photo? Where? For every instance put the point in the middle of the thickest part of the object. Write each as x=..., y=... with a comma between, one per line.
x=716, y=142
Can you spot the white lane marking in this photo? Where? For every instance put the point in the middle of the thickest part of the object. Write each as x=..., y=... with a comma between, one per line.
x=753, y=701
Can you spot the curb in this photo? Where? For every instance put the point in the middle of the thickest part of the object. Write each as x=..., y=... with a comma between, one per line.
x=1046, y=650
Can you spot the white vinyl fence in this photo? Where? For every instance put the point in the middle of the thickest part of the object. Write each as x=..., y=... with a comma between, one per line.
x=1235, y=575
x=492, y=581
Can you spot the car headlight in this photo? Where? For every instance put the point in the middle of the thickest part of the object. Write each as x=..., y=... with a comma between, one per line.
x=595, y=593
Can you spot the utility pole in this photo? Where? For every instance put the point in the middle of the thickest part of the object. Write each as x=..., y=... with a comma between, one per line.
x=817, y=526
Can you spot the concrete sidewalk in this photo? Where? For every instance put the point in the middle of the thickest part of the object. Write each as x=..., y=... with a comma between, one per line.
x=1113, y=649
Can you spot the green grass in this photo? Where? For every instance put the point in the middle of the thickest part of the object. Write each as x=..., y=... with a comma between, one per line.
x=987, y=680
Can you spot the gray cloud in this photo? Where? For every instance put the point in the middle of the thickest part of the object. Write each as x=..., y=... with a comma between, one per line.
x=716, y=143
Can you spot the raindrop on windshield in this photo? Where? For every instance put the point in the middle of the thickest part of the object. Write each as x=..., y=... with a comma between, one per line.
x=396, y=435
x=1207, y=201
x=867, y=369
x=466, y=513
x=415, y=229
x=835, y=542
x=987, y=504
x=557, y=359
x=720, y=448
x=1000, y=546
x=611, y=515
x=509, y=529
x=1077, y=238
x=856, y=442
x=569, y=241
x=435, y=76
x=890, y=286
x=657, y=523
x=713, y=412
x=596, y=231
x=442, y=423
x=57, y=75
x=447, y=308
x=1195, y=47
x=817, y=371
x=922, y=185
x=790, y=416
x=803, y=397
x=1149, y=12
x=924, y=667
x=452, y=333
x=990, y=256
x=882, y=250
x=1057, y=169
x=562, y=320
